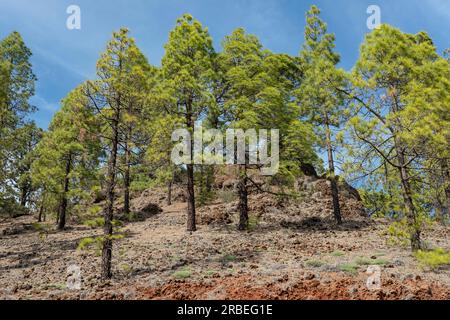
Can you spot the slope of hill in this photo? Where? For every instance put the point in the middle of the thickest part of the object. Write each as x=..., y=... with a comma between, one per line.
x=292, y=251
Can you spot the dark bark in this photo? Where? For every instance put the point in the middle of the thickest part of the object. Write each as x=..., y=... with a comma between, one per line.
x=24, y=196
x=446, y=205
x=332, y=177
x=41, y=211
x=111, y=182
x=169, y=189
x=127, y=182
x=209, y=178
x=441, y=210
x=191, y=223
x=243, y=201
x=411, y=213
x=63, y=204
x=309, y=170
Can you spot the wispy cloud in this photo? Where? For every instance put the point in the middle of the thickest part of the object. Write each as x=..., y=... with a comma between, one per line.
x=55, y=59
x=63, y=58
x=43, y=104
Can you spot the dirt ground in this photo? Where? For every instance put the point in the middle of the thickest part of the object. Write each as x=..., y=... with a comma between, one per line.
x=158, y=259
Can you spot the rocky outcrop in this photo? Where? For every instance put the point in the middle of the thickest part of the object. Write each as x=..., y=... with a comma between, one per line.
x=312, y=199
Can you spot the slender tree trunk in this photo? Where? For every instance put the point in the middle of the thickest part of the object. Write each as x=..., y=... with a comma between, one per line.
x=407, y=198
x=446, y=174
x=243, y=200
x=111, y=176
x=169, y=189
x=387, y=182
x=63, y=204
x=23, y=196
x=58, y=211
x=191, y=223
x=440, y=210
x=127, y=181
x=41, y=211
x=41, y=207
x=334, y=185
x=209, y=178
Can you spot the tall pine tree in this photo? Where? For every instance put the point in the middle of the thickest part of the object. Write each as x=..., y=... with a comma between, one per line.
x=186, y=76
x=319, y=99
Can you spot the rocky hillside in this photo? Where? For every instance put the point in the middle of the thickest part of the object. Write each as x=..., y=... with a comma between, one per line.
x=293, y=250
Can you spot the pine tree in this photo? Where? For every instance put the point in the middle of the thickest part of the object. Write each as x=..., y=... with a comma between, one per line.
x=400, y=91
x=22, y=157
x=67, y=156
x=18, y=88
x=186, y=72
x=17, y=82
x=255, y=91
x=318, y=96
x=157, y=158
x=243, y=58
x=426, y=115
x=116, y=98
x=277, y=106
x=136, y=87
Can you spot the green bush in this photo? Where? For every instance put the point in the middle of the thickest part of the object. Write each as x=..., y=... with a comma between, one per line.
x=86, y=243
x=363, y=261
x=182, y=274
x=95, y=223
x=253, y=222
x=433, y=259
x=10, y=208
x=399, y=232
x=349, y=267
x=100, y=222
x=337, y=253
x=97, y=242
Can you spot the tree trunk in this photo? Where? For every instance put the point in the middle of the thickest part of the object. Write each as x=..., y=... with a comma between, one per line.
x=411, y=213
x=191, y=224
x=63, y=204
x=169, y=189
x=58, y=211
x=111, y=176
x=441, y=212
x=243, y=201
x=41, y=211
x=24, y=196
x=446, y=206
x=127, y=182
x=209, y=178
x=334, y=185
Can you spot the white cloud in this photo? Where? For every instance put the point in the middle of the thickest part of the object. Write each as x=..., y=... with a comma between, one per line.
x=52, y=58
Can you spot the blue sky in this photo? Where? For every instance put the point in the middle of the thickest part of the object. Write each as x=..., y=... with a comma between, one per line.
x=63, y=58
